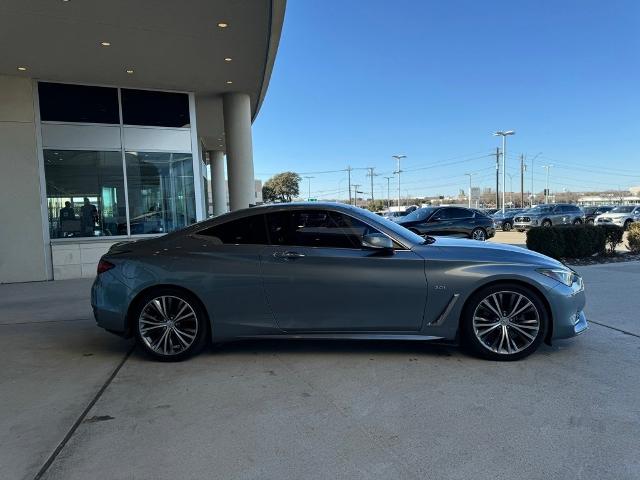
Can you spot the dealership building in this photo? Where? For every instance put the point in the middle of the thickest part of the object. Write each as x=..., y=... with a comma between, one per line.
x=118, y=121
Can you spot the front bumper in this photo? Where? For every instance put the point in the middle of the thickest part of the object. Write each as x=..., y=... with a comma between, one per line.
x=567, y=307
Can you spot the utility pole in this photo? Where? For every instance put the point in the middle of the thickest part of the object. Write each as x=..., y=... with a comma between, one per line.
x=470, y=175
x=309, y=191
x=399, y=171
x=523, y=167
x=349, y=177
x=355, y=194
x=504, y=135
x=497, y=177
x=388, y=191
x=371, y=174
x=546, y=190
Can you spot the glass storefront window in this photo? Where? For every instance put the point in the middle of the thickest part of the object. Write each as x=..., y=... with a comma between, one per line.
x=161, y=192
x=85, y=193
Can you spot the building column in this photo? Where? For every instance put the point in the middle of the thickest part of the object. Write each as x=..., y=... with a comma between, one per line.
x=237, y=128
x=218, y=183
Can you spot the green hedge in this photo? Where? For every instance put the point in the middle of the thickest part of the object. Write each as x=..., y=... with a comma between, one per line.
x=573, y=241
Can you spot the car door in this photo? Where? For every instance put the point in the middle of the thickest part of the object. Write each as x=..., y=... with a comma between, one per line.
x=318, y=277
x=440, y=223
x=560, y=215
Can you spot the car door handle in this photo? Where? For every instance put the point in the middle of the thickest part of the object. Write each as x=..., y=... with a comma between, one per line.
x=288, y=255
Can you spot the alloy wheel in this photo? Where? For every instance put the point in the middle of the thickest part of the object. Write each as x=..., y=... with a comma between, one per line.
x=478, y=234
x=506, y=322
x=168, y=325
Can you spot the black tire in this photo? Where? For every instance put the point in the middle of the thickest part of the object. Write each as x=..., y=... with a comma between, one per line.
x=479, y=234
x=577, y=221
x=546, y=223
x=468, y=334
x=590, y=221
x=627, y=224
x=506, y=227
x=173, y=296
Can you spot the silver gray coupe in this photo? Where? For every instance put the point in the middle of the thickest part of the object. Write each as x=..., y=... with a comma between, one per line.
x=331, y=271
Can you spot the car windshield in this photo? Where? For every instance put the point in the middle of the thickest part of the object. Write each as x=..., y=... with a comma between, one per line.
x=540, y=209
x=419, y=215
x=393, y=226
x=623, y=209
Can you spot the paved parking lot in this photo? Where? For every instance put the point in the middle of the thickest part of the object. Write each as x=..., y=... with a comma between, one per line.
x=79, y=403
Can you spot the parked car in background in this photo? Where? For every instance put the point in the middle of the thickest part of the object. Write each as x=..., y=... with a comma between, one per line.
x=489, y=211
x=548, y=215
x=590, y=213
x=330, y=271
x=394, y=215
x=454, y=221
x=504, y=220
x=622, y=215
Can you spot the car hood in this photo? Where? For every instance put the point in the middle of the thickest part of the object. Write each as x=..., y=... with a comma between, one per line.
x=474, y=250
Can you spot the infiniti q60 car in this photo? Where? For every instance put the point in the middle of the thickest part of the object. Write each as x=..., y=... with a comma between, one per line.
x=331, y=271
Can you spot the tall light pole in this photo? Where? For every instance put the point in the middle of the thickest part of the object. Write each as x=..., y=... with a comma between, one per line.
x=309, y=195
x=399, y=171
x=510, y=189
x=533, y=195
x=546, y=190
x=388, y=190
x=470, y=175
x=355, y=194
x=504, y=134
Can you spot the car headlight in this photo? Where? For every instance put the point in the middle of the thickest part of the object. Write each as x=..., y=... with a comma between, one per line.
x=563, y=275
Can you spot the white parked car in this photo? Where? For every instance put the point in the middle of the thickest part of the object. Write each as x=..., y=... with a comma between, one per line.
x=622, y=215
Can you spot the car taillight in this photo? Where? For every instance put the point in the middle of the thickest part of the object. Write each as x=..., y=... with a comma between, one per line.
x=103, y=266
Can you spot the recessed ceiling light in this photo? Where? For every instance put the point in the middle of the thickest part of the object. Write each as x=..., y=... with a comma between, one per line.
x=22, y=69
x=129, y=71
x=223, y=24
x=228, y=59
x=229, y=82
x=105, y=44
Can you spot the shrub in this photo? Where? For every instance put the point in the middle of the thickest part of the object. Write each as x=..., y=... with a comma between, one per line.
x=567, y=241
x=613, y=235
x=633, y=238
x=546, y=240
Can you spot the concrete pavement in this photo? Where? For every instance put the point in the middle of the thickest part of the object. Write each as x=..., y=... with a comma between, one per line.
x=316, y=409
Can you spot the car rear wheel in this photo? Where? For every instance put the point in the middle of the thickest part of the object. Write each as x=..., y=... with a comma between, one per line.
x=546, y=223
x=479, y=234
x=627, y=224
x=577, y=221
x=170, y=325
x=506, y=226
x=504, y=322
x=590, y=221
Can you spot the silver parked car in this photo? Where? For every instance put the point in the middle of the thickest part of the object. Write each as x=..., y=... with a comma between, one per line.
x=622, y=216
x=331, y=271
x=548, y=215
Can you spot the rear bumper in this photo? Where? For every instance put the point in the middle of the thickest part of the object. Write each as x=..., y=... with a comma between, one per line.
x=108, y=301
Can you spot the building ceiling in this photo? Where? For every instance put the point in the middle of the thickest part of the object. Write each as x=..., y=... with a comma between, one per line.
x=172, y=45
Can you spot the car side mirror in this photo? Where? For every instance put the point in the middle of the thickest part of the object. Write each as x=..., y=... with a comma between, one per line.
x=377, y=241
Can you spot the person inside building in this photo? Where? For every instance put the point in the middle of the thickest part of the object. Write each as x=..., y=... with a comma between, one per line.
x=88, y=217
x=67, y=212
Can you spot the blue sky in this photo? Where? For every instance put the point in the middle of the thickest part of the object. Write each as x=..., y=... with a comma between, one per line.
x=358, y=81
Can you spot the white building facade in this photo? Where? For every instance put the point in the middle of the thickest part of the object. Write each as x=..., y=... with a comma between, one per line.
x=107, y=130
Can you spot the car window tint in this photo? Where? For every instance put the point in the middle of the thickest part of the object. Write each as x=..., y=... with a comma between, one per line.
x=454, y=213
x=244, y=231
x=316, y=228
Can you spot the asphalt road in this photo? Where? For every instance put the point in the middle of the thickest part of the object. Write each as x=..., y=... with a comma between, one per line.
x=77, y=403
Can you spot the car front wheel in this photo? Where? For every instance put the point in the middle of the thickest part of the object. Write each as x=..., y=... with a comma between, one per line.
x=479, y=234
x=506, y=227
x=170, y=325
x=503, y=322
x=546, y=223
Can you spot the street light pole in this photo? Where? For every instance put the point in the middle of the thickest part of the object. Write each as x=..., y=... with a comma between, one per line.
x=399, y=171
x=470, y=175
x=546, y=190
x=309, y=191
x=355, y=194
x=388, y=191
x=504, y=134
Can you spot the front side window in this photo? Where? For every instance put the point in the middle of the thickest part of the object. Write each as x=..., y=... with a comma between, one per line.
x=161, y=191
x=316, y=228
x=85, y=193
x=244, y=231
